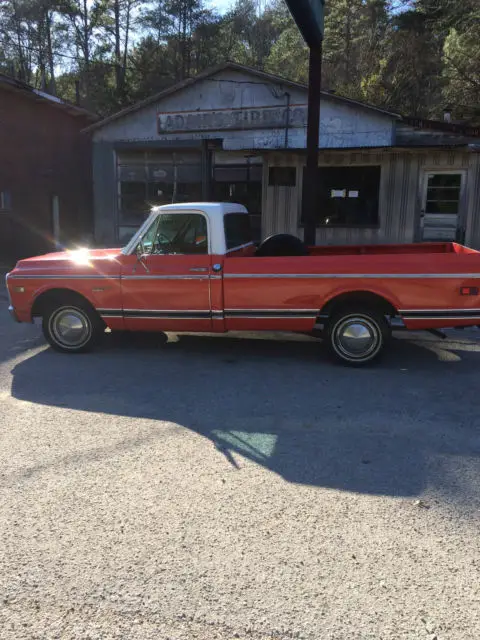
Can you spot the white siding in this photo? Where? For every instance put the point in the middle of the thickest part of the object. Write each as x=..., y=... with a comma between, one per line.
x=341, y=124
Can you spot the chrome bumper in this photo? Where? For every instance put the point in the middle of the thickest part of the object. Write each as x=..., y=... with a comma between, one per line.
x=12, y=312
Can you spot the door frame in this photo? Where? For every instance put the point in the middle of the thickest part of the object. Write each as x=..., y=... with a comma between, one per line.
x=462, y=208
x=168, y=318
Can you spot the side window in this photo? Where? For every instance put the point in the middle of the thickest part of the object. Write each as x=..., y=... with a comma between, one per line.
x=178, y=233
x=237, y=230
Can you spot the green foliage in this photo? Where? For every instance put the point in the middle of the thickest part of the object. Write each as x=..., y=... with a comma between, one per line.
x=410, y=56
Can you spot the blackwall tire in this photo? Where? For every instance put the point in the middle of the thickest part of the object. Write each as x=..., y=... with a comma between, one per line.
x=72, y=327
x=357, y=337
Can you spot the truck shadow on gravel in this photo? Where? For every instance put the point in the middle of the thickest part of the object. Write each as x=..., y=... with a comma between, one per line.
x=387, y=430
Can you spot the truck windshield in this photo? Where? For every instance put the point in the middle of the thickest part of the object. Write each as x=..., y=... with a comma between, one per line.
x=237, y=230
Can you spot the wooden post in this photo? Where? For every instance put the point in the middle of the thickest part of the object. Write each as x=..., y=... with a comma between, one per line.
x=310, y=183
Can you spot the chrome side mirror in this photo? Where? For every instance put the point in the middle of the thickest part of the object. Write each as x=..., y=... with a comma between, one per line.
x=141, y=254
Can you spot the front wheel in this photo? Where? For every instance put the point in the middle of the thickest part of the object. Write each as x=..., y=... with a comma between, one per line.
x=357, y=337
x=73, y=328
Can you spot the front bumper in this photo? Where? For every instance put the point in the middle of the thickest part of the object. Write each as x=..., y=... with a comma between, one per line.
x=13, y=313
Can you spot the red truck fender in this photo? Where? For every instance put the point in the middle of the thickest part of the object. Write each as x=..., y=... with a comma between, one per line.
x=367, y=295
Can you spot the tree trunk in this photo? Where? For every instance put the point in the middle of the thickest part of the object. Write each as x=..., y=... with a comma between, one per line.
x=51, y=63
x=86, y=37
x=118, y=57
x=127, y=33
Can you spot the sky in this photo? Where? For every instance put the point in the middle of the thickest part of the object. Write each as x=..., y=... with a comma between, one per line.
x=220, y=5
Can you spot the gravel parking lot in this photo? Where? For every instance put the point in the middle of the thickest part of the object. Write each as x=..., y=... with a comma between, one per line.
x=220, y=488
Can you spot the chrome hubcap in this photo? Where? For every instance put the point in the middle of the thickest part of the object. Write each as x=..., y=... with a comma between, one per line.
x=70, y=327
x=357, y=338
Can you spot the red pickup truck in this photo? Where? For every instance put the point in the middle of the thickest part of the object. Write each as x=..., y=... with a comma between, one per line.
x=194, y=268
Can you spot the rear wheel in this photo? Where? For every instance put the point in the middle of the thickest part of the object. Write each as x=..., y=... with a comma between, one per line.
x=357, y=337
x=72, y=327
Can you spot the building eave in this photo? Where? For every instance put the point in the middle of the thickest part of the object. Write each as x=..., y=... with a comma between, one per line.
x=8, y=83
x=470, y=148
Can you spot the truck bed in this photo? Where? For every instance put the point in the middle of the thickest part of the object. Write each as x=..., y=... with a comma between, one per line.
x=391, y=249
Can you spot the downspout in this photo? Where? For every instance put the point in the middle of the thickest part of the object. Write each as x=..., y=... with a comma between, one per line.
x=287, y=119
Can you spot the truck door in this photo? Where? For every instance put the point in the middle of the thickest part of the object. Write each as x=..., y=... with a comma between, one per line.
x=166, y=282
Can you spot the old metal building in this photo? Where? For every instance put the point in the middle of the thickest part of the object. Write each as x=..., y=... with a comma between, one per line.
x=45, y=171
x=237, y=134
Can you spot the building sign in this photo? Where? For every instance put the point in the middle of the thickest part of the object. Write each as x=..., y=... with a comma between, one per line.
x=233, y=119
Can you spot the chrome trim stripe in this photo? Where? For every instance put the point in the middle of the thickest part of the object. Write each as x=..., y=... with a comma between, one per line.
x=397, y=276
x=178, y=314
x=160, y=277
x=164, y=310
x=167, y=317
x=63, y=277
x=407, y=311
x=111, y=313
x=270, y=317
x=264, y=310
x=241, y=246
x=442, y=317
x=259, y=313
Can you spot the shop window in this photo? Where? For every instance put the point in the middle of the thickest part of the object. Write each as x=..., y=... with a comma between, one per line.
x=148, y=179
x=348, y=196
x=282, y=177
x=241, y=184
x=5, y=201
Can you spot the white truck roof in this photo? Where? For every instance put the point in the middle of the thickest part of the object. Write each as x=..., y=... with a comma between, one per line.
x=210, y=208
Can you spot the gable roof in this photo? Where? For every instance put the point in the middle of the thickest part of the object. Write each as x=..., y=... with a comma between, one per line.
x=233, y=66
x=13, y=84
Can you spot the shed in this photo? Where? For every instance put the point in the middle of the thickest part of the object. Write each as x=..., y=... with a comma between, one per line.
x=239, y=134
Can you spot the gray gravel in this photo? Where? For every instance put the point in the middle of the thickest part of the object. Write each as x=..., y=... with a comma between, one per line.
x=220, y=488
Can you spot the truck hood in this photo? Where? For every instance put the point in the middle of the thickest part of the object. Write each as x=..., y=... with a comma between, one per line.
x=81, y=261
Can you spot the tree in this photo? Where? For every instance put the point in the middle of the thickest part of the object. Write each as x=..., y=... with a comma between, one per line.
x=412, y=74
x=341, y=47
x=288, y=55
x=30, y=37
x=83, y=24
x=174, y=23
x=411, y=56
x=461, y=55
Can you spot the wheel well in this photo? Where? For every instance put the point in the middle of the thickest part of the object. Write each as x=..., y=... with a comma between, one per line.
x=56, y=297
x=359, y=298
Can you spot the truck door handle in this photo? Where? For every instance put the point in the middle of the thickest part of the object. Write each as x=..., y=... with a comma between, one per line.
x=199, y=269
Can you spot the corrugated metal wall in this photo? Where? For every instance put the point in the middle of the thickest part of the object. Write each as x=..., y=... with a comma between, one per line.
x=472, y=197
x=400, y=200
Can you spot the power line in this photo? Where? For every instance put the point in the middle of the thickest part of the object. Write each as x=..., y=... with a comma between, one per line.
x=55, y=55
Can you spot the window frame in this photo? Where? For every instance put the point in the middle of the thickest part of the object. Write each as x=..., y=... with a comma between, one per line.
x=131, y=247
x=240, y=246
x=377, y=225
x=273, y=178
x=5, y=201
